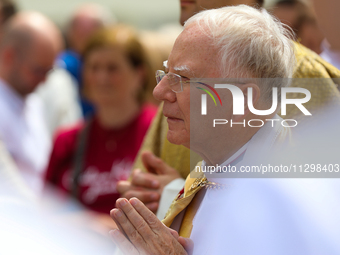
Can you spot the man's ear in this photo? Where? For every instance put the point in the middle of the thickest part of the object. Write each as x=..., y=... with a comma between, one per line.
x=255, y=91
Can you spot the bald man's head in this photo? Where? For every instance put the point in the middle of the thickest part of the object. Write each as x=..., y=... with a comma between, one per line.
x=32, y=27
x=84, y=22
x=28, y=48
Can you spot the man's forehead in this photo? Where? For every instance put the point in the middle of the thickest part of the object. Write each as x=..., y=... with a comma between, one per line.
x=192, y=50
x=194, y=32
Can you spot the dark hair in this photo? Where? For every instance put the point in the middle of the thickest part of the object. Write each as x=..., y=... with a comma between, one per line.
x=286, y=2
x=260, y=2
x=305, y=13
x=8, y=8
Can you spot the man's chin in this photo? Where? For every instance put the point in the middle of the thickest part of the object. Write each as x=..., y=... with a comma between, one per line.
x=174, y=138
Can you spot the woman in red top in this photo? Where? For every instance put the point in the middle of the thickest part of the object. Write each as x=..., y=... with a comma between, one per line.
x=87, y=161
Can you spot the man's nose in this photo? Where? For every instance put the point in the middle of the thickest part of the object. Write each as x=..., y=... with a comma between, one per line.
x=162, y=91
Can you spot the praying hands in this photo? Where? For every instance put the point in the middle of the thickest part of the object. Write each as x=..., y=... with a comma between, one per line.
x=140, y=232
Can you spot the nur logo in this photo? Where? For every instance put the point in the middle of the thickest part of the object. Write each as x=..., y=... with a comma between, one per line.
x=239, y=100
x=204, y=97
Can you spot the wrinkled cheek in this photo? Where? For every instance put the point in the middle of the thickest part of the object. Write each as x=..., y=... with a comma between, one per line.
x=187, y=117
x=187, y=126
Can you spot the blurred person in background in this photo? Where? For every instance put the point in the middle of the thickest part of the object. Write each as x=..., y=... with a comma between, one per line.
x=27, y=54
x=300, y=16
x=328, y=16
x=157, y=45
x=47, y=231
x=12, y=185
x=83, y=23
x=59, y=94
x=191, y=7
x=155, y=179
x=9, y=175
x=7, y=9
x=88, y=160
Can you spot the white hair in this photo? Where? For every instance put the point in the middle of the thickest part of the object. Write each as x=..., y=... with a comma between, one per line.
x=251, y=42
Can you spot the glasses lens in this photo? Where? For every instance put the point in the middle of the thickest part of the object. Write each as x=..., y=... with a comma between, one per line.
x=173, y=79
x=174, y=82
x=159, y=75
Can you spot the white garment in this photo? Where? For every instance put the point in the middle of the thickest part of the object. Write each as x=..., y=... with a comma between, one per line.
x=268, y=216
x=60, y=99
x=33, y=227
x=12, y=184
x=331, y=56
x=171, y=190
x=24, y=133
x=169, y=193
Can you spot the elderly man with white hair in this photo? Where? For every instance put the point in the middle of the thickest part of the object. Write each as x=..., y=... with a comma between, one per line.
x=244, y=46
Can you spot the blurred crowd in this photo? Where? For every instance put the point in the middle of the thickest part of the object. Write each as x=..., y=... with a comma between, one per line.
x=79, y=125
x=76, y=102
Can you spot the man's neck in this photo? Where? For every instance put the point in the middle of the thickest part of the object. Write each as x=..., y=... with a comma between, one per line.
x=221, y=153
x=5, y=78
x=11, y=88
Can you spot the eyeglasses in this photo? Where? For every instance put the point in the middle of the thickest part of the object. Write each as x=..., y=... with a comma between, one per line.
x=175, y=80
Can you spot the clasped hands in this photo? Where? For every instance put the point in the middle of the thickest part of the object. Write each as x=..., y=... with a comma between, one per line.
x=148, y=186
x=140, y=232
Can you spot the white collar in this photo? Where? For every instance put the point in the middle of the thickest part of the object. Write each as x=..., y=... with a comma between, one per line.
x=11, y=97
x=234, y=158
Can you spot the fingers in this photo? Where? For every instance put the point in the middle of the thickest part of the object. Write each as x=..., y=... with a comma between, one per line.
x=147, y=234
x=187, y=244
x=174, y=233
x=145, y=180
x=123, y=186
x=123, y=243
x=132, y=222
x=143, y=195
x=156, y=165
x=127, y=190
x=154, y=223
x=152, y=163
x=139, y=179
x=112, y=212
x=153, y=206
